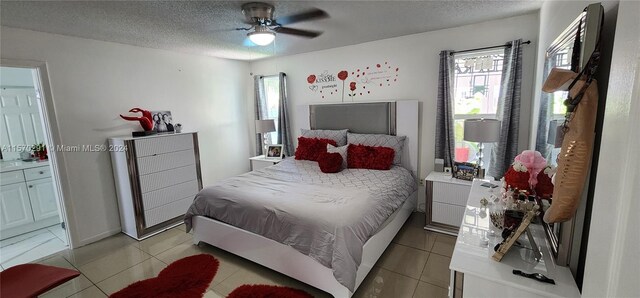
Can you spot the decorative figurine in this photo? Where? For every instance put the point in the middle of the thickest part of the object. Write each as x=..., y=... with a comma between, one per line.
x=145, y=121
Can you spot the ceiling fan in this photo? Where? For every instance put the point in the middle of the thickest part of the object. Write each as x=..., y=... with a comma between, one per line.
x=264, y=26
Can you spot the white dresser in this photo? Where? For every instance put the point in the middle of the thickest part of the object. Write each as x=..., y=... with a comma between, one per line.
x=156, y=179
x=484, y=277
x=446, y=201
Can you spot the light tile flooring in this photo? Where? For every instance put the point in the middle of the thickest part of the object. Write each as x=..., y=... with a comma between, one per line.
x=414, y=265
x=32, y=246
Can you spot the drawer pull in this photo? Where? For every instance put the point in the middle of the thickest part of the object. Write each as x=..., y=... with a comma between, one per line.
x=41, y=172
x=30, y=186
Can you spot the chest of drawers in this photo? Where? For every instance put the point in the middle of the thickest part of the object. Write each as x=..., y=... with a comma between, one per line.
x=156, y=179
x=446, y=201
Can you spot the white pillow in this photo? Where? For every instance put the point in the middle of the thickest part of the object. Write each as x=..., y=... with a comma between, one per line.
x=342, y=150
x=340, y=136
x=395, y=142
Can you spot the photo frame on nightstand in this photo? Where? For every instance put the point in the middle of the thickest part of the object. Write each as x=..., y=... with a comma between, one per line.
x=274, y=152
x=465, y=170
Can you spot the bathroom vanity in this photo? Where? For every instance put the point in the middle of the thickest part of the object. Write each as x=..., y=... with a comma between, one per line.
x=27, y=197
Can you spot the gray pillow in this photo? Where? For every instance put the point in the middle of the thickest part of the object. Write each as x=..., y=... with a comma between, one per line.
x=340, y=136
x=342, y=150
x=395, y=142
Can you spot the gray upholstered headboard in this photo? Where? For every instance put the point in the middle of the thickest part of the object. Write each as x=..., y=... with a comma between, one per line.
x=390, y=117
x=370, y=118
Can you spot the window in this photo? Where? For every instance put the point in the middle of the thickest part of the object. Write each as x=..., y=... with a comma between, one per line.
x=477, y=88
x=272, y=104
x=557, y=109
x=562, y=60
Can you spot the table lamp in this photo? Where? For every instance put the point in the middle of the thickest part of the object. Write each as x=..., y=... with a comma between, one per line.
x=265, y=127
x=481, y=131
x=556, y=133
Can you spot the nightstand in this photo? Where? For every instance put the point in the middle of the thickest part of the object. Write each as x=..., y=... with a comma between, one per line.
x=446, y=201
x=259, y=162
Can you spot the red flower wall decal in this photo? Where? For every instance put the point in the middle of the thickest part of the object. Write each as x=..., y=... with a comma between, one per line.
x=311, y=79
x=343, y=75
x=352, y=87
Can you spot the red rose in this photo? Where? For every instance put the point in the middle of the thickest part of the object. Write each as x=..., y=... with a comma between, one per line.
x=343, y=75
x=311, y=79
x=352, y=86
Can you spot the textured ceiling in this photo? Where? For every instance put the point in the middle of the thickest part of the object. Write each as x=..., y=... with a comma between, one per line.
x=205, y=27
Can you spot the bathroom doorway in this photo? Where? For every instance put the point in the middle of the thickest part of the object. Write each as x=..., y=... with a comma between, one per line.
x=32, y=217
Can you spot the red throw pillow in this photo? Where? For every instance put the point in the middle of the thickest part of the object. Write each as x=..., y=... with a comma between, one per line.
x=330, y=162
x=311, y=148
x=369, y=157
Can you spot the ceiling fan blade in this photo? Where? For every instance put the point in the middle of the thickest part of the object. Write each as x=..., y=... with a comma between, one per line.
x=297, y=32
x=313, y=14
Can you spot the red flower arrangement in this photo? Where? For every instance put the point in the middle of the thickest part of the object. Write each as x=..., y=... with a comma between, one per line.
x=516, y=178
x=544, y=188
x=529, y=174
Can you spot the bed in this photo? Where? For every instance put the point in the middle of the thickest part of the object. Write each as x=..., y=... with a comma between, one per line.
x=327, y=230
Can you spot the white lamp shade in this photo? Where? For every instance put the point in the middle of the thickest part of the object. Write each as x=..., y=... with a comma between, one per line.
x=482, y=130
x=262, y=38
x=263, y=126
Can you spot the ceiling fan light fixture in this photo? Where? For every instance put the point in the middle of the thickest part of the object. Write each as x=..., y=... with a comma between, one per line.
x=261, y=38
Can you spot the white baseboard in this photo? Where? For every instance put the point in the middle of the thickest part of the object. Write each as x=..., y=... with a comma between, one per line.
x=98, y=237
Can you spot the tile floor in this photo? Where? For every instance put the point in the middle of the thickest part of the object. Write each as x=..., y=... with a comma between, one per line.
x=32, y=246
x=415, y=265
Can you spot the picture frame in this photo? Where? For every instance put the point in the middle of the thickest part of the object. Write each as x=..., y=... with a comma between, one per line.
x=465, y=171
x=162, y=121
x=274, y=152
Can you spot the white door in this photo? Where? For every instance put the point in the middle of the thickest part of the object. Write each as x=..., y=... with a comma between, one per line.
x=43, y=198
x=14, y=206
x=20, y=121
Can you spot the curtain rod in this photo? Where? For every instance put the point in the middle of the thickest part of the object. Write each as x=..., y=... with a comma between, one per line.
x=273, y=75
x=506, y=45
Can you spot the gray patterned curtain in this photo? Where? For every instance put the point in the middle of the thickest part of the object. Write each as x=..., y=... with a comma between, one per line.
x=445, y=138
x=546, y=113
x=261, y=109
x=284, y=129
x=506, y=149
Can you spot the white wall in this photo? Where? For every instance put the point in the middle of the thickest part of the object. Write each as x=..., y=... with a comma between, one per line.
x=16, y=77
x=94, y=81
x=417, y=57
x=613, y=253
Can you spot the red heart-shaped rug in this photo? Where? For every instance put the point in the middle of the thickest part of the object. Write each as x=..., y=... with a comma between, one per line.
x=185, y=278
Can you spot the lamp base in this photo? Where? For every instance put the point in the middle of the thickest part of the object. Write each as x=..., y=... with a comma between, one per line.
x=481, y=173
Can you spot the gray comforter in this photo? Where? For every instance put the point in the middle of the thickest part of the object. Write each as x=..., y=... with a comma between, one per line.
x=327, y=217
